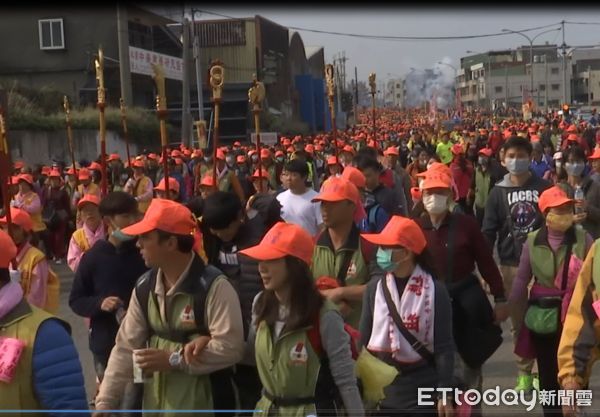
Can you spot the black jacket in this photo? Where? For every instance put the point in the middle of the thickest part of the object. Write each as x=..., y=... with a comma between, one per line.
x=105, y=271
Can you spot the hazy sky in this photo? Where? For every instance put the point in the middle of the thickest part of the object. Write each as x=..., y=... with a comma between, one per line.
x=397, y=57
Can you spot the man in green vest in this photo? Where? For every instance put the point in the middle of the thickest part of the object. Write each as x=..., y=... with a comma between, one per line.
x=338, y=254
x=175, y=304
x=41, y=366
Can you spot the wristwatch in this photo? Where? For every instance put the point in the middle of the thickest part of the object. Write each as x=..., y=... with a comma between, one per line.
x=176, y=358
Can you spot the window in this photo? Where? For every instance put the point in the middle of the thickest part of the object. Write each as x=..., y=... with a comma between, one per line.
x=498, y=89
x=554, y=71
x=398, y=95
x=542, y=87
x=51, y=34
x=398, y=85
x=230, y=33
x=555, y=87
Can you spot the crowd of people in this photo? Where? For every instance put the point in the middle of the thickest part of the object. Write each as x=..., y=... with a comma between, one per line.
x=259, y=289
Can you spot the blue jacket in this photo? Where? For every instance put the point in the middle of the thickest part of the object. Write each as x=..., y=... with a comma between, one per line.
x=57, y=375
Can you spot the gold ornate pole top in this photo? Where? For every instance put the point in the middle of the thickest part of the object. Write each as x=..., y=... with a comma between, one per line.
x=122, y=106
x=67, y=107
x=256, y=94
x=99, y=63
x=329, y=72
x=159, y=80
x=372, y=83
x=2, y=134
x=217, y=78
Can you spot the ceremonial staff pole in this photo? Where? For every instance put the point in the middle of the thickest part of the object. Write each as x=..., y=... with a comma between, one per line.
x=216, y=82
x=256, y=95
x=5, y=171
x=67, y=109
x=161, y=111
x=125, y=131
x=99, y=62
x=373, y=85
x=331, y=95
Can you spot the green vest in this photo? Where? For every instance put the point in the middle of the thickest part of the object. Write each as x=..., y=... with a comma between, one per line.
x=288, y=368
x=273, y=177
x=482, y=187
x=545, y=264
x=22, y=323
x=326, y=263
x=175, y=389
x=225, y=181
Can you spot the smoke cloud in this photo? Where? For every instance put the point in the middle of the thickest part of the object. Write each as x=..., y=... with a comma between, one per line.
x=427, y=85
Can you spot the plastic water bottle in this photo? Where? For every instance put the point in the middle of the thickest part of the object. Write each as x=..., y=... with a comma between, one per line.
x=578, y=196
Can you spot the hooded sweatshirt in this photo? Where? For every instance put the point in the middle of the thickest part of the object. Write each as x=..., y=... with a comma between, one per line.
x=522, y=203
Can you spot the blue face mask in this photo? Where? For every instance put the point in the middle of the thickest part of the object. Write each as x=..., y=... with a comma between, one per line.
x=118, y=234
x=384, y=260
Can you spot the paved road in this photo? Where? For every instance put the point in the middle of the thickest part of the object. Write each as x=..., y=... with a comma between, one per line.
x=500, y=370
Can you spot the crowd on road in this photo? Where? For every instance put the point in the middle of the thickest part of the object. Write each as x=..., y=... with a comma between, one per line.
x=257, y=281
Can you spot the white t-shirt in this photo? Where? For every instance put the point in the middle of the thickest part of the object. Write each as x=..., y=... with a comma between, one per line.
x=298, y=209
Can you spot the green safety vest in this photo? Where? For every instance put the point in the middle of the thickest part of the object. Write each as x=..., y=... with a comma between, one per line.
x=176, y=389
x=546, y=264
x=288, y=368
x=482, y=187
x=326, y=263
x=23, y=323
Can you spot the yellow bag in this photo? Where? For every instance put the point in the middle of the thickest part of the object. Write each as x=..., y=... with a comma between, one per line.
x=375, y=375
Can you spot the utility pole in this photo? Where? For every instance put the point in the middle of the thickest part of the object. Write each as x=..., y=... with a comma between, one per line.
x=546, y=87
x=589, y=98
x=123, y=41
x=564, y=64
x=506, y=85
x=355, y=95
x=186, y=117
x=198, y=68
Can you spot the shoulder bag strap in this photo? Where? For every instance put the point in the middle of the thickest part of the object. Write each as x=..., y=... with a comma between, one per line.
x=343, y=271
x=563, y=284
x=414, y=342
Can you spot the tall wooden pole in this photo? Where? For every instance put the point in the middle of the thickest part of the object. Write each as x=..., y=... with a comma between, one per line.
x=67, y=109
x=256, y=95
x=330, y=80
x=125, y=131
x=373, y=85
x=162, y=113
x=5, y=168
x=217, y=73
x=99, y=62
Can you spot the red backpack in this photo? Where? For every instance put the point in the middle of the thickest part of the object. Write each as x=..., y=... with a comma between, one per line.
x=314, y=336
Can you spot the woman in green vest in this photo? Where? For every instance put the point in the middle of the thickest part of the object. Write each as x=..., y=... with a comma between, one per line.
x=554, y=256
x=301, y=349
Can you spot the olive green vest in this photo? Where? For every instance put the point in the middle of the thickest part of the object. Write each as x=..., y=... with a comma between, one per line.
x=482, y=187
x=273, y=176
x=288, y=367
x=326, y=263
x=225, y=181
x=545, y=264
x=22, y=323
x=176, y=389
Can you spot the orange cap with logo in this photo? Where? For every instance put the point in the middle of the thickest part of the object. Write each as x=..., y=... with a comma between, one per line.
x=400, y=231
x=284, y=239
x=553, y=197
x=165, y=215
x=89, y=198
x=19, y=217
x=8, y=249
x=436, y=179
x=338, y=189
x=173, y=185
x=355, y=176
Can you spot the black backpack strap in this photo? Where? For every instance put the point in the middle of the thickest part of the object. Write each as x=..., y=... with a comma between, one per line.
x=343, y=271
x=143, y=287
x=410, y=338
x=208, y=277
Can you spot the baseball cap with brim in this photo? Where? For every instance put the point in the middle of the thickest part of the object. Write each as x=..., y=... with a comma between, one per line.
x=138, y=164
x=8, y=250
x=89, y=199
x=27, y=178
x=165, y=215
x=19, y=217
x=400, y=231
x=595, y=155
x=54, y=174
x=436, y=180
x=392, y=150
x=485, y=152
x=333, y=160
x=283, y=239
x=338, y=189
x=260, y=174
x=207, y=181
x=553, y=197
x=355, y=176
x=84, y=174
x=173, y=185
x=113, y=157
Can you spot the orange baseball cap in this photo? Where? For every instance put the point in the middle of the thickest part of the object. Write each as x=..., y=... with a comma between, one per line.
x=260, y=174
x=19, y=217
x=70, y=171
x=436, y=179
x=392, y=150
x=572, y=137
x=279, y=153
x=595, y=155
x=348, y=149
x=46, y=170
x=138, y=163
x=338, y=189
x=220, y=154
x=333, y=160
x=237, y=144
x=485, y=152
x=241, y=159
x=89, y=198
x=95, y=166
x=265, y=153
x=572, y=129
x=27, y=178
x=207, y=181
x=19, y=164
x=113, y=157
x=173, y=185
x=553, y=197
x=165, y=215
x=175, y=153
x=283, y=239
x=84, y=174
x=355, y=176
x=152, y=156
x=54, y=174
x=8, y=250
x=436, y=167
x=400, y=231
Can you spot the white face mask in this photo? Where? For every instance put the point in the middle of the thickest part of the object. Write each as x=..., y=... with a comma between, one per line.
x=435, y=203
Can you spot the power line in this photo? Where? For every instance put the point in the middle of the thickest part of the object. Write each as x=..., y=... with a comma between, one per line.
x=396, y=38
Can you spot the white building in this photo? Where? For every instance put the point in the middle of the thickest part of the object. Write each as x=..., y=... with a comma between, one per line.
x=394, y=93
